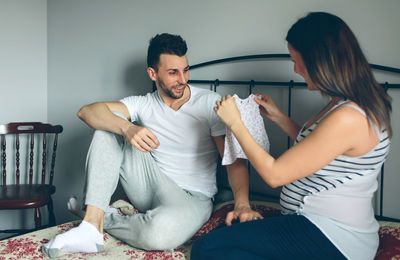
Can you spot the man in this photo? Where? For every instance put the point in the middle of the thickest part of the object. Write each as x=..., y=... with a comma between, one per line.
x=165, y=160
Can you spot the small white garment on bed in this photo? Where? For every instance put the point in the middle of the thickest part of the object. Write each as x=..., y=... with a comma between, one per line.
x=252, y=119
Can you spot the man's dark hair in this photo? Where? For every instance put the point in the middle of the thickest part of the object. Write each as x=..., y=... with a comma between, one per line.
x=164, y=43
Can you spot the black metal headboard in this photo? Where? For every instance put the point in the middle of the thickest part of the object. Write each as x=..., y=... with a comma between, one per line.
x=289, y=84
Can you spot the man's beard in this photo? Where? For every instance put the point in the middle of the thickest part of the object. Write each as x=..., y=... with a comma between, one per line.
x=169, y=92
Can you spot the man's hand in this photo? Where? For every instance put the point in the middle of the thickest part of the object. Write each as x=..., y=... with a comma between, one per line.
x=243, y=213
x=141, y=137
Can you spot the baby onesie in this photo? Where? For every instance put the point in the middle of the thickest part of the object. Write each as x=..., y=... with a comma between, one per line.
x=252, y=119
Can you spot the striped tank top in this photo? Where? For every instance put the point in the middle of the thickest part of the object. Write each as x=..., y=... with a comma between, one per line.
x=342, y=190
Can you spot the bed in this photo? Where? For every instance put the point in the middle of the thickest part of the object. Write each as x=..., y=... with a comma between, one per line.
x=28, y=246
x=263, y=199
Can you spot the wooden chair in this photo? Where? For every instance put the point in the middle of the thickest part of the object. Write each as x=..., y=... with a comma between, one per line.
x=30, y=187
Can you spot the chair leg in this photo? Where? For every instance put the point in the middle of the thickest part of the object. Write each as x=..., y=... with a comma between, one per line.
x=38, y=218
x=52, y=217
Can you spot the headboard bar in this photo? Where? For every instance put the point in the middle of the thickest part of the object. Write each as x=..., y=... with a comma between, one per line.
x=385, y=68
x=248, y=82
x=266, y=83
x=275, y=56
x=237, y=58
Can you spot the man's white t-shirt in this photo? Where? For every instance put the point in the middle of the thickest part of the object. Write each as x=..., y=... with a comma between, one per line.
x=187, y=151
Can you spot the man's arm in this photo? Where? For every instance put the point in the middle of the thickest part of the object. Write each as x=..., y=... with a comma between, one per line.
x=238, y=177
x=101, y=116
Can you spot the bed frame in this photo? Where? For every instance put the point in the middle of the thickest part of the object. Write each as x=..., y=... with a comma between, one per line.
x=28, y=246
x=290, y=84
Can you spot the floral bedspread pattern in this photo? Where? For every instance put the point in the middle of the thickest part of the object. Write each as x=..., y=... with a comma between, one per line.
x=28, y=246
x=389, y=241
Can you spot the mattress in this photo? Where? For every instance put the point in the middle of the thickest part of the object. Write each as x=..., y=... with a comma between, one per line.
x=27, y=246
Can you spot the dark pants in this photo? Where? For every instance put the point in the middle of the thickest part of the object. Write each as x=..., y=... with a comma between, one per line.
x=280, y=237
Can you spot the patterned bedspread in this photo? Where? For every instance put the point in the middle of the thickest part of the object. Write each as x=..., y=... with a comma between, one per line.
x=28, y=246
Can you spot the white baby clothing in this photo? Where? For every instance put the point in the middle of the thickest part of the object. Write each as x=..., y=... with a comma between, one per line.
x=252, y=119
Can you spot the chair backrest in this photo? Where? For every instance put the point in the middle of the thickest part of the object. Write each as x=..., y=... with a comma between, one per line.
x=31, y=129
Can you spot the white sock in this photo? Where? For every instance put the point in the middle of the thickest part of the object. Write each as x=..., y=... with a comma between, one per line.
x=84, y=238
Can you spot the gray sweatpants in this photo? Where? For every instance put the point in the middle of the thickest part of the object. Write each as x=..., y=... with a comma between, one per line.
x=169, y=215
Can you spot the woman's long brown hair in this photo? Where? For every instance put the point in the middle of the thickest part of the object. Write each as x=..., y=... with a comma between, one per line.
x=337, y=65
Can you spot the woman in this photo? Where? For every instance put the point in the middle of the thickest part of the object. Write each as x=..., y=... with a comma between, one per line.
x=329, y=175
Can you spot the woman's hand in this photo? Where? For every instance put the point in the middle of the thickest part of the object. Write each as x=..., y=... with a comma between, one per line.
x=268, y=107
x=227, y=110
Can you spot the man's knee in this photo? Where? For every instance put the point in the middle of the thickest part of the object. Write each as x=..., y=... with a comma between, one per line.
x=103, y=134
x=164, y=236
x=106, y=138
x=159, y=242
x=172, y=228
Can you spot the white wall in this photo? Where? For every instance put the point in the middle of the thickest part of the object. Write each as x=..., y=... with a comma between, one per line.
x=97, y=51
x=23, y=74
x=23, y=60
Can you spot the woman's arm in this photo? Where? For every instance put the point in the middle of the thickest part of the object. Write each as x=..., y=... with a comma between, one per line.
x=276, y=115
x=343, y=131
